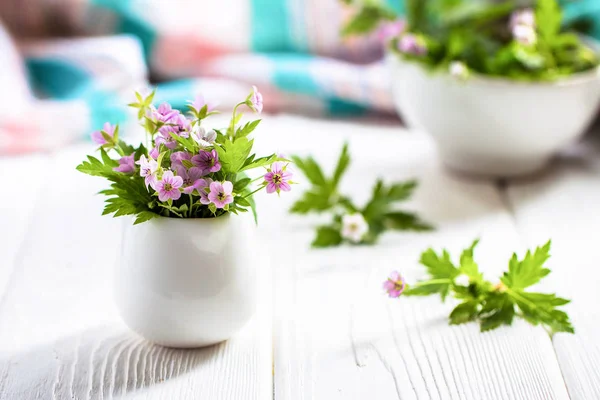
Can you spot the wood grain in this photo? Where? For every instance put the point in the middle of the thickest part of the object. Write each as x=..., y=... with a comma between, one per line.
x=563, y=205
x=60, y=335
x=339, y=337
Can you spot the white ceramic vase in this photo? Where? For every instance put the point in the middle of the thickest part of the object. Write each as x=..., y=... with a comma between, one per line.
x=494, y=127
x=187, y=282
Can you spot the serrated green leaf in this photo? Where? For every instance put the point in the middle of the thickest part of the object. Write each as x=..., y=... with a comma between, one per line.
x=366, y=20
x=529, y=271
x=233, y=154
x=341, y=167
x=405, y=221
x=312, y=171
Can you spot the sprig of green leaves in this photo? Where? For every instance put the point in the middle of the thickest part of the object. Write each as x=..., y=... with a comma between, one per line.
x=380, y=212
x=493, y=305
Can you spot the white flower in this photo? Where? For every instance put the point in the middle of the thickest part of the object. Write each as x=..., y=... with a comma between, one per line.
x=524, y=17
x=524, y=34
x=458, y=70
x=203, y=138
x=461, y=280
x=354, y=227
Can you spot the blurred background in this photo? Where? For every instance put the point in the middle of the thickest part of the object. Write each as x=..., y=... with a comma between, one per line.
x=70, y=65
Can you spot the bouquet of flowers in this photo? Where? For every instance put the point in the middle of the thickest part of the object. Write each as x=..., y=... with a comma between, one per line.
x=185, y=170
x=524, y=41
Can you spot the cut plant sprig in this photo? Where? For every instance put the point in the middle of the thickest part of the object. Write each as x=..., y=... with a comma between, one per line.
x=492, y=305
x=350, y=223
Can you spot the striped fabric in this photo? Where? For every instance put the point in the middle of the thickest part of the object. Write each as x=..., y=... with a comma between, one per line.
x=289, y=48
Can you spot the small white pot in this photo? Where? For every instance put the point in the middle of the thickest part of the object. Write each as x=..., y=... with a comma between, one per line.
x=187, y=282
x=494, y=127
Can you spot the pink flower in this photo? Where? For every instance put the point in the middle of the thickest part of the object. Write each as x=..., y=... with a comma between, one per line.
x=221, y=193
x=203, y=188
x=389, y=30
x=164, y=113
x=411, y=44
x=525, y=35
x=207, y=161
x=177, y=158
x=256, y=100
x=148, y=170
x=97, y=136
x=168, y=186
x=277, y=178
x=154, y=153
x=191, y=178
x=394, y=285
x=126, y=165
x=199, y=102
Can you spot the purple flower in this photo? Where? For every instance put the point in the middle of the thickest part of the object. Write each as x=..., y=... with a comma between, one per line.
x=126, y=165
x=164, y=112
x=203, y=189
x=191, y=178
x=411, y=44
x=97, y=136
x=389, y=30
x=394, y=285
x=207, y=161
x=154, y=153
x=277, y=178
x=256, y=100
x=168, y=186
x=199, y=102
x=148, y=170
x=177, y=158
x=220, y=193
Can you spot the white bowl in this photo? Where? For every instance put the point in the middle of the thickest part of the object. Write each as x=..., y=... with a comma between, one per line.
x=494, y=127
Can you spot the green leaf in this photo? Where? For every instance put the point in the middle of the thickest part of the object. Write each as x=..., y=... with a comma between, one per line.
x=497, y=310
x=311, y=201
x=548, y=18
x=405, y=221
x=540, y=308
x=239, y=200
x=464, y=312
x=342, y=165
x=233, y=154
x=366, y=20
x=468, y=266
x=529, y=271
x=401, y=191
x=440, y=267
x=247, y=129
x=311, y=170
x=241, y=184
x=327, y=236
x=252, y=163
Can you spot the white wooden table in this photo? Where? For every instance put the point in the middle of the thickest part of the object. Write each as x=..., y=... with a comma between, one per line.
x=324, y=329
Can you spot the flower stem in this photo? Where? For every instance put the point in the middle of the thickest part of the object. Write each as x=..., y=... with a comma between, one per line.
x=231, y=129
x=250, y=194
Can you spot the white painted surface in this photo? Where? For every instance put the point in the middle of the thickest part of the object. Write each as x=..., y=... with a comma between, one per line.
x=335, y=335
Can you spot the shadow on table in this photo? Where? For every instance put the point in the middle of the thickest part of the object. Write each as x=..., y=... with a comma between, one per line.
x=95, y=364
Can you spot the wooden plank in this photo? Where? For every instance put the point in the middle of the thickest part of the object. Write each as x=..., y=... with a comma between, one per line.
x=338, y=337
x=60, y=336
x=563, y=205
x=23, y=178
